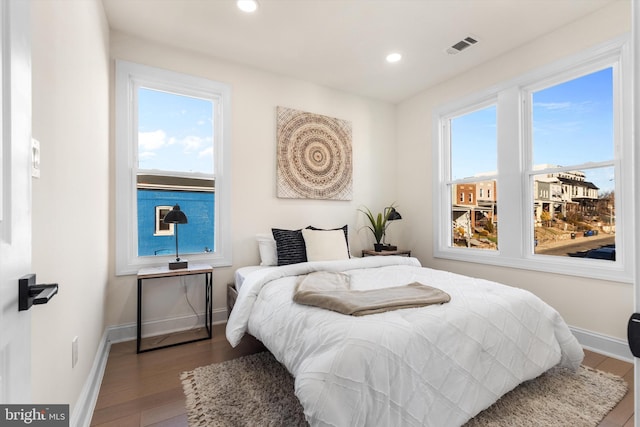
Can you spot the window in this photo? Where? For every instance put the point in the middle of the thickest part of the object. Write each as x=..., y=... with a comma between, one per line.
x=572, y=131
x=172, y=147
x=162, y=229
x=473, y=164
x=564, y=170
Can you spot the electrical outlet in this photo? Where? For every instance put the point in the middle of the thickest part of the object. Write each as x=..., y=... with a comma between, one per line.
x=74, y=352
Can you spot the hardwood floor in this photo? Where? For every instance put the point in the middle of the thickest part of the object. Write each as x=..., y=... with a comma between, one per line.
x=145, y=389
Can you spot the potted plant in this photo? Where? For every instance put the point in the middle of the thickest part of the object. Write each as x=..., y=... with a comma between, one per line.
x=378, y=224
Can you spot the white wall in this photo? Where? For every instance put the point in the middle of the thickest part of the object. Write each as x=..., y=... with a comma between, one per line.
x=71, y=199
x=255, y=207
x=594, y=305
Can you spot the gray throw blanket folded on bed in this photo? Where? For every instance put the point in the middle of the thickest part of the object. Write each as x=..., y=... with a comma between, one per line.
x=332, y=291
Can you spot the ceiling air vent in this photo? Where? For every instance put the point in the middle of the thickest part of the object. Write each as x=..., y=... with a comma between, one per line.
x=462, y=45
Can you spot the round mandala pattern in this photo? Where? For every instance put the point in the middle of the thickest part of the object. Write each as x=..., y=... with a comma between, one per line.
x=314, y=156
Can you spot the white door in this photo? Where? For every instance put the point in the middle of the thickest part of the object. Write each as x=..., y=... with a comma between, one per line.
x=15, y=200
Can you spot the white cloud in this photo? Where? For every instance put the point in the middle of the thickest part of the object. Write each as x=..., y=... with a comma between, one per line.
x=554, y=105
x=576, y=107
x=152, y=140
x=192, y=143
x=207, y=152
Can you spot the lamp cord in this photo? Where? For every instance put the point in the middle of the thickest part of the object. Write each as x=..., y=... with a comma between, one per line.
x=186, y=297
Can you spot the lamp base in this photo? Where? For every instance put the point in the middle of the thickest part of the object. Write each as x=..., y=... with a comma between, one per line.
x=178, y=265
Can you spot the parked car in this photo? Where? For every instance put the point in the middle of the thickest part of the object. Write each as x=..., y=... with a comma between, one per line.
x=605, y=252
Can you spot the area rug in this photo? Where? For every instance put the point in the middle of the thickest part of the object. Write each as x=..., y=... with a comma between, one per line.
x=256, y=390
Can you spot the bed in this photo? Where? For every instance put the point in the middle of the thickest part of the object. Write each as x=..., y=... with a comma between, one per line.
x=437, y=365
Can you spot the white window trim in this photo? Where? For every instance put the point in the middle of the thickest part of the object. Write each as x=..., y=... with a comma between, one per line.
x=517, y=253
x=128, y=76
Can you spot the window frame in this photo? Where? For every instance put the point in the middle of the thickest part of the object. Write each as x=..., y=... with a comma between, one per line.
x=516, y=232
x=129, y=77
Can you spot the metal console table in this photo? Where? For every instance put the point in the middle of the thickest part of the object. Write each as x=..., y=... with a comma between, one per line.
x=164, y=272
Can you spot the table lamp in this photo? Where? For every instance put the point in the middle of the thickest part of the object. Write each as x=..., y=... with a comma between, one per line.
x=392, y=215
x=176, y=216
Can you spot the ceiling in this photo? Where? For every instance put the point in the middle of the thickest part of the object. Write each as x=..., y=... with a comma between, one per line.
x=342, y=44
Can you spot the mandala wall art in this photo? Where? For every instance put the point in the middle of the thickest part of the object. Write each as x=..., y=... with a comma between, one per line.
x=314, y=156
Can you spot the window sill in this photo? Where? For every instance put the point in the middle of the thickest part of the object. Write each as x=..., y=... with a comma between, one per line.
x=613, y=271
x=132, y=267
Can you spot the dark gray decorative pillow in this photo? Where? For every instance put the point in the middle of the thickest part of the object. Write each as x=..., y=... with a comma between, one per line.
x=344, y=230
x=290, y=246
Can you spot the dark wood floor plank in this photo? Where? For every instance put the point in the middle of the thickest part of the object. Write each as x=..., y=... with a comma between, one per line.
x=615, y=366
x=624, y=409
x=173, y=413
x=592, y=359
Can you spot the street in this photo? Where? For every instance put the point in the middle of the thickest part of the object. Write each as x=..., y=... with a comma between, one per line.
x=576, y=247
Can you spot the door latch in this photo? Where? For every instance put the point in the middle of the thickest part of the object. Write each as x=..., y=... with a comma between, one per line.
x=633, y=334
x=29, y=293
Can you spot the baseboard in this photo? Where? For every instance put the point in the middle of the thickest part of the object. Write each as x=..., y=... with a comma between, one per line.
x=128, y=332
x=86, y=403
x=603, y=344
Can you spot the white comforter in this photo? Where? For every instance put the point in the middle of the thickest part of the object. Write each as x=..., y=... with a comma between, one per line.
x=432, y=366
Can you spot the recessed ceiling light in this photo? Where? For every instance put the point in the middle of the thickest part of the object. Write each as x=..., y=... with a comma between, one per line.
x=247, y=5
x=394, y=57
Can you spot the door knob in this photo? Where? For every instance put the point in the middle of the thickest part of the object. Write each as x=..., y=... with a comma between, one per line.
x=29, y=293
x=633, y=334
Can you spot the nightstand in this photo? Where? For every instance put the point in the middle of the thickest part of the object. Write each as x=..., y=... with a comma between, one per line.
x=145, y=274
x=371, y=252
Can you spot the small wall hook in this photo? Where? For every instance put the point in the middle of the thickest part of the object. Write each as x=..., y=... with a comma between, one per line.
x=29, y=293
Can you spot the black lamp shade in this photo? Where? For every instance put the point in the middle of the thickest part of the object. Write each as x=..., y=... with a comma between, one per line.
x=175, y=216
x=394, y=215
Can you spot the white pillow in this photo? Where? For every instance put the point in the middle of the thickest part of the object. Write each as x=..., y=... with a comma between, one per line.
x=325, y=245
x=268, y=250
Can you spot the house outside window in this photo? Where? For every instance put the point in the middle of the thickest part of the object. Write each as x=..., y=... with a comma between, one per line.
x=172, y=147
x=564, y=132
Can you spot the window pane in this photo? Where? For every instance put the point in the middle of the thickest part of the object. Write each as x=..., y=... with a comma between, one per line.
x=194, y=237
x=474, y=215
x=574, y=210
x=574, y=213
x=473, y=144
x=573, y=121
x=175, y=132
x=474, y=204
x=175, y=137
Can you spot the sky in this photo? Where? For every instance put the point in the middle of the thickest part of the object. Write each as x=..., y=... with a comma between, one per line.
x=175, y=132
x=572, y=125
